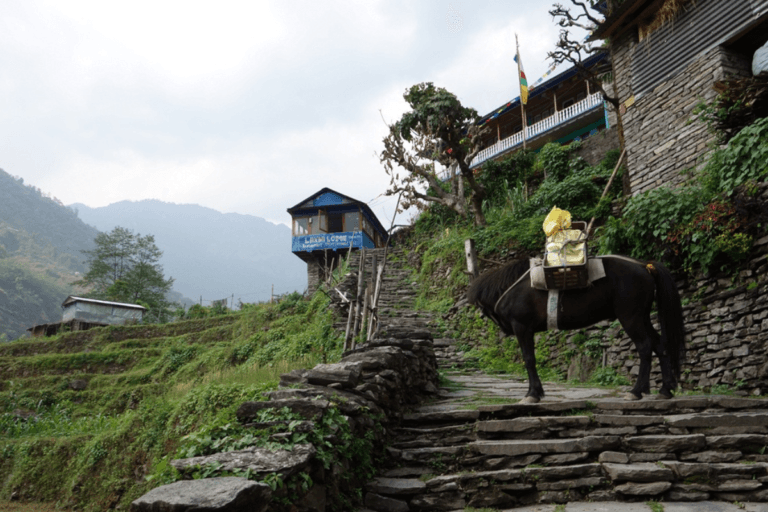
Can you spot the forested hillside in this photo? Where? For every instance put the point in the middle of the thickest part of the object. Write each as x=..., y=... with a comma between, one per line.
x=40, y=255
x=209, y=253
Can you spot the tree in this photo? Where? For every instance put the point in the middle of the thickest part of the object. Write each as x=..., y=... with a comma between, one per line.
x=572, y=51
x=437, y=130
x=124, y=267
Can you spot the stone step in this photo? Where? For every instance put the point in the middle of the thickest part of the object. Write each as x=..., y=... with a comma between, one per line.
x=667, y=480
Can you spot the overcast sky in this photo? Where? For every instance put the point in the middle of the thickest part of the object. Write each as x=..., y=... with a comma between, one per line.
x=240, y=106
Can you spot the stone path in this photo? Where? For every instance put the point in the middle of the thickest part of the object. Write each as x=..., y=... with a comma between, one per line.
x=581, y=449
x=474, y=445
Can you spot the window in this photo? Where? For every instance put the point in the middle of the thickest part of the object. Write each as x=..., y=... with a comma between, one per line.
x=300, y=226
x=335, y=224
x=352, y=221
x=567, y=103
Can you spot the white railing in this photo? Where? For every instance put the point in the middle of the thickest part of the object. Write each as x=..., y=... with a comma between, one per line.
x=588, y=103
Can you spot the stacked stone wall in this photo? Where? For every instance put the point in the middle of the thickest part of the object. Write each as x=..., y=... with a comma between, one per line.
x=661, y=140
x=594, y=148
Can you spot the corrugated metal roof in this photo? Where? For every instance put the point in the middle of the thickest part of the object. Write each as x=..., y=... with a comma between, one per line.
x=72, y=299
x=669, y=49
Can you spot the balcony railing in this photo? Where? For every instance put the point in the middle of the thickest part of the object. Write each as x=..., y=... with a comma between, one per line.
x=590, y=102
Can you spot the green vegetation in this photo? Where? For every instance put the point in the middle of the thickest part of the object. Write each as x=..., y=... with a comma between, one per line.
x=519, y=197
x=125, y=267
x=709, y=223
x=704, y=226
x=153, y=393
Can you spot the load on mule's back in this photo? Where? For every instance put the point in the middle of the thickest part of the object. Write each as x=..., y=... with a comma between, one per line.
x=624, y=289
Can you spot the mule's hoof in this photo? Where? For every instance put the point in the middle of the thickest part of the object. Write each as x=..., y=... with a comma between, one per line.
x=530, y=400
x=663, y=396
x=631, y=396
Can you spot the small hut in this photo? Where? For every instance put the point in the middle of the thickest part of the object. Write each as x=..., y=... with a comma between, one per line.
x=326, y=226
x=80, y=314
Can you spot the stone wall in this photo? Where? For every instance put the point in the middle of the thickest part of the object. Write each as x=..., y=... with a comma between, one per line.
x=726, y=320
x=660, y=139
x=371, y=386
x=594, y=148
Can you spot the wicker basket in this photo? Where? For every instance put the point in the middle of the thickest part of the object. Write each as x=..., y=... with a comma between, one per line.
x=562, y=277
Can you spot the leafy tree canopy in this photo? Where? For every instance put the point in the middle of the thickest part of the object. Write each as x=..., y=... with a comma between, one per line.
x=124, y=267
x=438, y=130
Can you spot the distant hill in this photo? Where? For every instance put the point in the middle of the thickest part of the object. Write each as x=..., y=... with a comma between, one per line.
x=40, y=255
x=208, y=253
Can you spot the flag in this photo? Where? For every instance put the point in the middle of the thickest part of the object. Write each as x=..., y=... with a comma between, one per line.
x=521, y=73
x=523, y=81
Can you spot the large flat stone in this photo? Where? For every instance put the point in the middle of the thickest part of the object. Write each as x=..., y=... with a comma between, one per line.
x=737, y=441
x=725, y=419
x=517, y=447
x=396, y=486
x=640, y=472
x=633, y=420
x=345, y=374
x=309, y=409
x=533, y=423
x=233, y=494
x=258, y=460
x=666, y=443
x=650, y=489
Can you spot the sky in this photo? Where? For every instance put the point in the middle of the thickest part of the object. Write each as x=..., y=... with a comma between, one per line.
x=245, y=107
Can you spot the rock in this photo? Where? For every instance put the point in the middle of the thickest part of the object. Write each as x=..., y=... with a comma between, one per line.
x=346, y=374
x=78, y=384
x=652, y=489
x=711, y=456
x=258, y=460
x=490, y=498
x=666, y=443
x=442, y=501
x=309, y=409
x=384, y=504
x=396, y=486
x=207, y=495
x=613, y=457
x=516, y=447
x=641, y=472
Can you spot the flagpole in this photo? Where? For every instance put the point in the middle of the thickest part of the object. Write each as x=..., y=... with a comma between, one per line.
x=522, y=103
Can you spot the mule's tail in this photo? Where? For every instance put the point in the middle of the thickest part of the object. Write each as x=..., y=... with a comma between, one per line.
x=670, y=316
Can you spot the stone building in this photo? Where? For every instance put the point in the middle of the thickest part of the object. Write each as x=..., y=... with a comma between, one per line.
x=666, y=56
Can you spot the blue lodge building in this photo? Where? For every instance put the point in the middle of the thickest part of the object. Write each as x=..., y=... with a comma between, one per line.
x=326, y=226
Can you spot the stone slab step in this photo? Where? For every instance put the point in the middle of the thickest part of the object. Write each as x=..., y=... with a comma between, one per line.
x=512, y=447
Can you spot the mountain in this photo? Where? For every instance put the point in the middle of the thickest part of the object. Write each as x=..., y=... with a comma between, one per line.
x=40, y=255
x=210, y=254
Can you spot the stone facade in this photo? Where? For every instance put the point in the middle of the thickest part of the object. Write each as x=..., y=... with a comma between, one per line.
x=661, y=141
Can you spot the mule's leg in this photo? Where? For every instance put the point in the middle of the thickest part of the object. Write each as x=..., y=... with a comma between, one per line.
x=668, y=380
x=638, y=332
x=525, y=339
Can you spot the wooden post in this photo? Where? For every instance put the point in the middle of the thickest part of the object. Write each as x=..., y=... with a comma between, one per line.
x=471, y=255
x=358, y=302
x=374, y=320
x=608, y=186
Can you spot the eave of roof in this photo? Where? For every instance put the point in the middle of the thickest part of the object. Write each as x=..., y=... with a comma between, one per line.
x=364, y=206
x=543, y=87
x=623, y=17
x=72, y=299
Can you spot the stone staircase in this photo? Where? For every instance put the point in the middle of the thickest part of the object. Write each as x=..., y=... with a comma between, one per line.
x=476, y=446
x=396, y=301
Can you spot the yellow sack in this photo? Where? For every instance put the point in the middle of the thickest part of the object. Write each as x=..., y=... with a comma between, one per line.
x=556, y=220
x=559, y=253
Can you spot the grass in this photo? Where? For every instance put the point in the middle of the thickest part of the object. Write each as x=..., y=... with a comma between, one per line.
x=6, y=506
x=147, y=387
